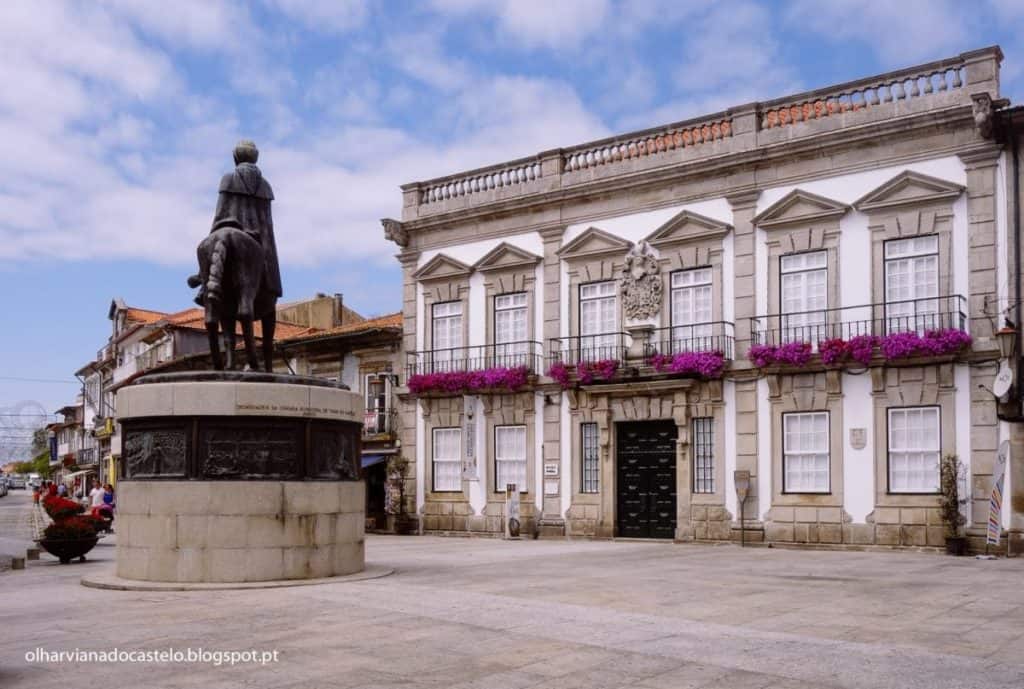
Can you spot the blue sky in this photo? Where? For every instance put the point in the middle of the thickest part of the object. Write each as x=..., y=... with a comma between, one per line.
x=118, y=118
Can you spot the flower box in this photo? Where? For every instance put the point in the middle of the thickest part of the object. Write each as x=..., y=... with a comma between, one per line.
x=498, y=378
x=861, y=349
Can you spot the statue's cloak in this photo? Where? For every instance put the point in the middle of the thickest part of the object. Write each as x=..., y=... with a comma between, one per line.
x=246, y=196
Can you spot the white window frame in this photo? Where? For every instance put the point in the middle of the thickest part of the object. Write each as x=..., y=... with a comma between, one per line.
x=793, y=452
x=925, y=451
x=446, y=329
x=511, y=343
x=505, y=461
x=913, y=253
x=455, y=485
x=597, y=336
x=691, y=289
x=805, y=324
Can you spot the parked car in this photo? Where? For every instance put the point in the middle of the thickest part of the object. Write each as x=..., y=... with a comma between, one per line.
x=3, y=486
x=16, y=481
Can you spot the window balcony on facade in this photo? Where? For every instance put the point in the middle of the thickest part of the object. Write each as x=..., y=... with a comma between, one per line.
x=911, y=299
x=912, y=285
x=599, y=336
x=804, y=296
x=510, y=348
x=511, y=330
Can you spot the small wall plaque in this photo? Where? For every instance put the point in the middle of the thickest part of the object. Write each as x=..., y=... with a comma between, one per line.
x=551, y=469
x=858, y=438
x=551, y=486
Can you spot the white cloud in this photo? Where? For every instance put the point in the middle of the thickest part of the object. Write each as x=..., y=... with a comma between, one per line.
x=545, y=23
x=899, y=32
x=333, y=16
x=216, y=25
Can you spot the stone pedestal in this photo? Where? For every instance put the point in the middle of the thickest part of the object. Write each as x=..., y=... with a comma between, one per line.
x=239, y=478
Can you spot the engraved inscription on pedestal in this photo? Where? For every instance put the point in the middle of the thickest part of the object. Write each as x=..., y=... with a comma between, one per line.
x=253, y=449
x=155, y=452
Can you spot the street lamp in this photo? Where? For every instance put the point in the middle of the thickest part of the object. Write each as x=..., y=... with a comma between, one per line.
x=1007, y=338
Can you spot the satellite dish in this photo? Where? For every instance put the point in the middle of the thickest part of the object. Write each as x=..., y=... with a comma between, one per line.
x=1004, y=379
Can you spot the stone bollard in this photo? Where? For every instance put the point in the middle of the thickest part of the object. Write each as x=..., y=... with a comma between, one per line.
x=17, y=563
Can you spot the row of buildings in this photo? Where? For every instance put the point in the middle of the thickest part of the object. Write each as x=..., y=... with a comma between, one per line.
x=815, y=298
x=773, y=323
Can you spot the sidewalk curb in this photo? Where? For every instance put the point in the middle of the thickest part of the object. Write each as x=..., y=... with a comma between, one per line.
x=111, y=582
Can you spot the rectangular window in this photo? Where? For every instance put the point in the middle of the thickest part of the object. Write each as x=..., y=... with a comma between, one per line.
x=691, y=310
x=599, y=321
x=447, y=466
x=510, y=329
x=510, y=457
x=703, y=455
x=804, y=298
x=805, y=459
x=590, y=465
x=447, y=332
x=912, y=284
x=375, y=416
x=914, y=450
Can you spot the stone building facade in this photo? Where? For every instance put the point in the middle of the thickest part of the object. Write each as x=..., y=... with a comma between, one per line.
x=781, y=288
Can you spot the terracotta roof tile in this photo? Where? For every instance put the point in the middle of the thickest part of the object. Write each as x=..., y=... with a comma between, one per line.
x=144, y=316
x=392, y=320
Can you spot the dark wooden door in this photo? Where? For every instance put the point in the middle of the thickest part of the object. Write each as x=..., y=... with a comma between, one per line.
x=646, y=481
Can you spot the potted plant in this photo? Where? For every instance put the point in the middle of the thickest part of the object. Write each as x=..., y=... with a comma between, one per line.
x=395, y=505
x=951, y=472
x=71, y=534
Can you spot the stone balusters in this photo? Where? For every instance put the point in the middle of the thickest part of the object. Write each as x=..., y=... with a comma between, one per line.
x=917, y=84
x=651, y=144
x=476, y=183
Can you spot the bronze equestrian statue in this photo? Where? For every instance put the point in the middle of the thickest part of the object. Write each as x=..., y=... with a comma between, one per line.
x=239, y=277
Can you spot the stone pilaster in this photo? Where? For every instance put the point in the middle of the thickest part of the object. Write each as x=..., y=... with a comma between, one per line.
x=552, y=522
x=744, y=207
x=408, y=408
x=981, y=167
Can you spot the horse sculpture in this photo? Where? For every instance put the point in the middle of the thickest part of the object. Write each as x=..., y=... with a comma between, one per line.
x=232, y=290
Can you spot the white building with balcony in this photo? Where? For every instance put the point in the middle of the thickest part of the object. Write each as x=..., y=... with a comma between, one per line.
x=806, y=291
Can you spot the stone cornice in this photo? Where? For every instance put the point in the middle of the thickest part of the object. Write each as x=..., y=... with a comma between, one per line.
x=986, y=155
x=959, y=116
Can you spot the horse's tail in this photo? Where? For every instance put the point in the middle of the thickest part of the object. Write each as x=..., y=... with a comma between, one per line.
x=214, y=282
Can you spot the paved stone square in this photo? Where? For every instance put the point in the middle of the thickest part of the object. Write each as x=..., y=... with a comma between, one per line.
x=488, y=613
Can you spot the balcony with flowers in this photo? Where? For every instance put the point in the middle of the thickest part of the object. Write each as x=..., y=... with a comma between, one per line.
x=699, y=350
x=911, y=330
x=494, y=368
x=586, y=359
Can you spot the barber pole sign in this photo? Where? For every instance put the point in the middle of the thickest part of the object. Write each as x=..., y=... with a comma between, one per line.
x=995, y=503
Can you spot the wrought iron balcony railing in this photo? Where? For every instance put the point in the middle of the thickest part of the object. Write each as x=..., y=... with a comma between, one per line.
x=588, y=348
x=378, y=422
x=506, y=355
x=885, y=318
x=714, y=336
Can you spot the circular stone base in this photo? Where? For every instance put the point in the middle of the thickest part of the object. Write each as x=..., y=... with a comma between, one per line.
x=223, y=532
x=110, y=581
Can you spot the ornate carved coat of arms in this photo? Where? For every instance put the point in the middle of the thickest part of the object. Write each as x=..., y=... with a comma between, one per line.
x=641, y=282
